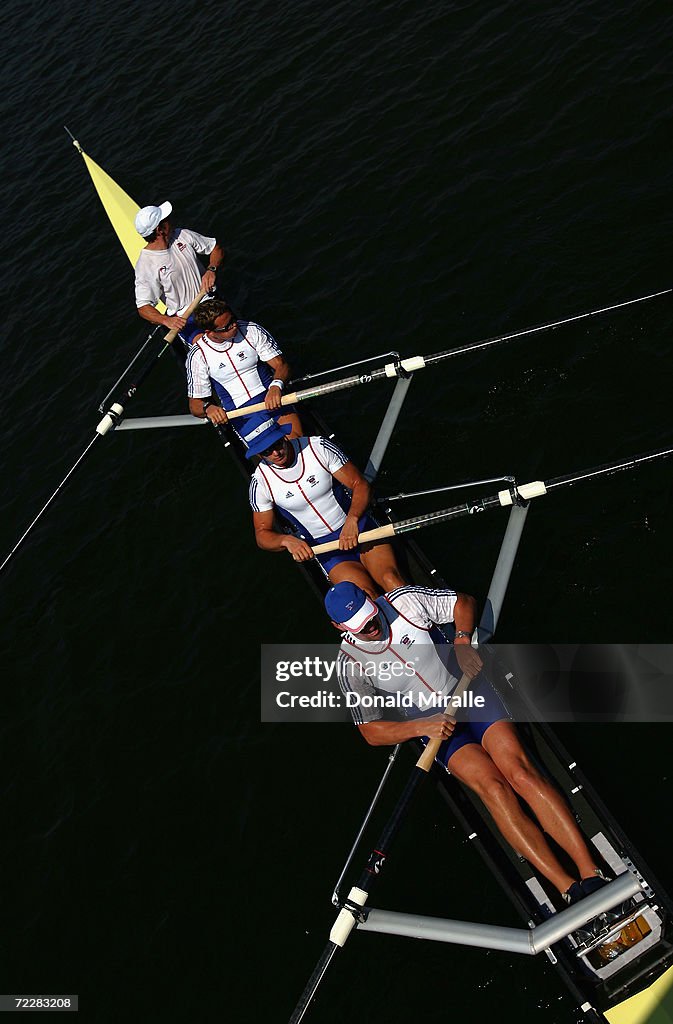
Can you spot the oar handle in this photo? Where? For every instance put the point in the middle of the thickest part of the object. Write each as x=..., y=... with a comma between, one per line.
x=172, y=335
x=378, y=534
x=432, y=746
x=246, y=410
x=116, y=411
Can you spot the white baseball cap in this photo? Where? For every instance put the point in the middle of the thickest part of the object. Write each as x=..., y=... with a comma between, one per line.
x=349, y=606
x=150, y=217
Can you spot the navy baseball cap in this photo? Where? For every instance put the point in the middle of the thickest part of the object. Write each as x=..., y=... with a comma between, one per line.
x=349, y=606
x=261, y=431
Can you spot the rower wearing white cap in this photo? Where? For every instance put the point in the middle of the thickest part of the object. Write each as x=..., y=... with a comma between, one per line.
x=168, y=270
x=391, y=646
x=400, y=627
x=308, y=479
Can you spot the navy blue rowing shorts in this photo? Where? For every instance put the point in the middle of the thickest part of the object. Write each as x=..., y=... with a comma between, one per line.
x=472, y=728
x=332, y=558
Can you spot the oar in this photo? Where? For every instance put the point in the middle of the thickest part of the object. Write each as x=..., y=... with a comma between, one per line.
x=110, y=420
x=424, y=761
x=404, y=367
x=123, y=375
x=352, y=910
x=336, y=898
x=510, y=496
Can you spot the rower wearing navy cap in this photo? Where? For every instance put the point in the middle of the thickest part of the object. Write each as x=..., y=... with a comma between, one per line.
x=308, y=479
x=392, y=646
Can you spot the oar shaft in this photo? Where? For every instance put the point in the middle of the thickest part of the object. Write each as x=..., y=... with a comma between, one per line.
x=313, y=982
x=365, y=822
x=500, y=339
x=380, y=533
x=48, y=502
x=122, y=376
x=410, y=365
x=315, y=392
x=428, y=756
x=606, y=470
x=173, y=333
x=116, y=411
x=346, y=920
x=110, y=420
x=381, y=847
x=504, y=498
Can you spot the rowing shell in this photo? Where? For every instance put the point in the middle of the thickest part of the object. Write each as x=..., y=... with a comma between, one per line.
x=621, y=993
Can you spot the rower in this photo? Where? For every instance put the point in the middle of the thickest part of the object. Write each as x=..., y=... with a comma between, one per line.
x=167, y=269
x=391, y=646
x=307, y=479
x=238, y=360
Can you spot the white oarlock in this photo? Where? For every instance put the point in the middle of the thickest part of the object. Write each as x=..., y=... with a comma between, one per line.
x=345, y=922
x=111, y=419
x=535, y=489
x=408, y=365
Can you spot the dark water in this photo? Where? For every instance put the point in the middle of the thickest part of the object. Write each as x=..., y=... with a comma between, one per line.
x=390, y=175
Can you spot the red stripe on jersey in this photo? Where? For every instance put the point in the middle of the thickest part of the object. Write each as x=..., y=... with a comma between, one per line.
x=389, y=648
x=330, y=529
x=285, y=479
x=235, y=369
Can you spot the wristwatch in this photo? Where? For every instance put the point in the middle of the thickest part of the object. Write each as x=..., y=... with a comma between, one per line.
x=462, y=632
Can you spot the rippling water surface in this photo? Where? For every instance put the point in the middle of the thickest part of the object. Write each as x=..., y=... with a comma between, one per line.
x=390, y=175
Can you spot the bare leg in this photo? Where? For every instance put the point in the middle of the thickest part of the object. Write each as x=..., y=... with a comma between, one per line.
x=379, y=560
x=473, y=766
x=356, y=573
x=503, y=744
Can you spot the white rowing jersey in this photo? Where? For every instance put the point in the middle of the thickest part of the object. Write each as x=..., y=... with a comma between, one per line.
x=236, y=368
x=306, y=492
x=172, y=275
x=410, y=659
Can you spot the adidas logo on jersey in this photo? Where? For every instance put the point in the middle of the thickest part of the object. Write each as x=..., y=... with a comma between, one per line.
x=289, y=494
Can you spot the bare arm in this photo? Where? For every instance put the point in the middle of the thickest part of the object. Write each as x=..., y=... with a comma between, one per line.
x=215, y=260
x=465, y=613
x=214, y=413
x=269, y=539
x=202, y=405
x=351, y=477
x=465, y=619
x=382, y=733
x=281, y=371
x=153, y=316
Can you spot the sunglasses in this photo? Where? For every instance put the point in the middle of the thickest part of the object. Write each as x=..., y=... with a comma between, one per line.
x=227, y=326
x=277, y=446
